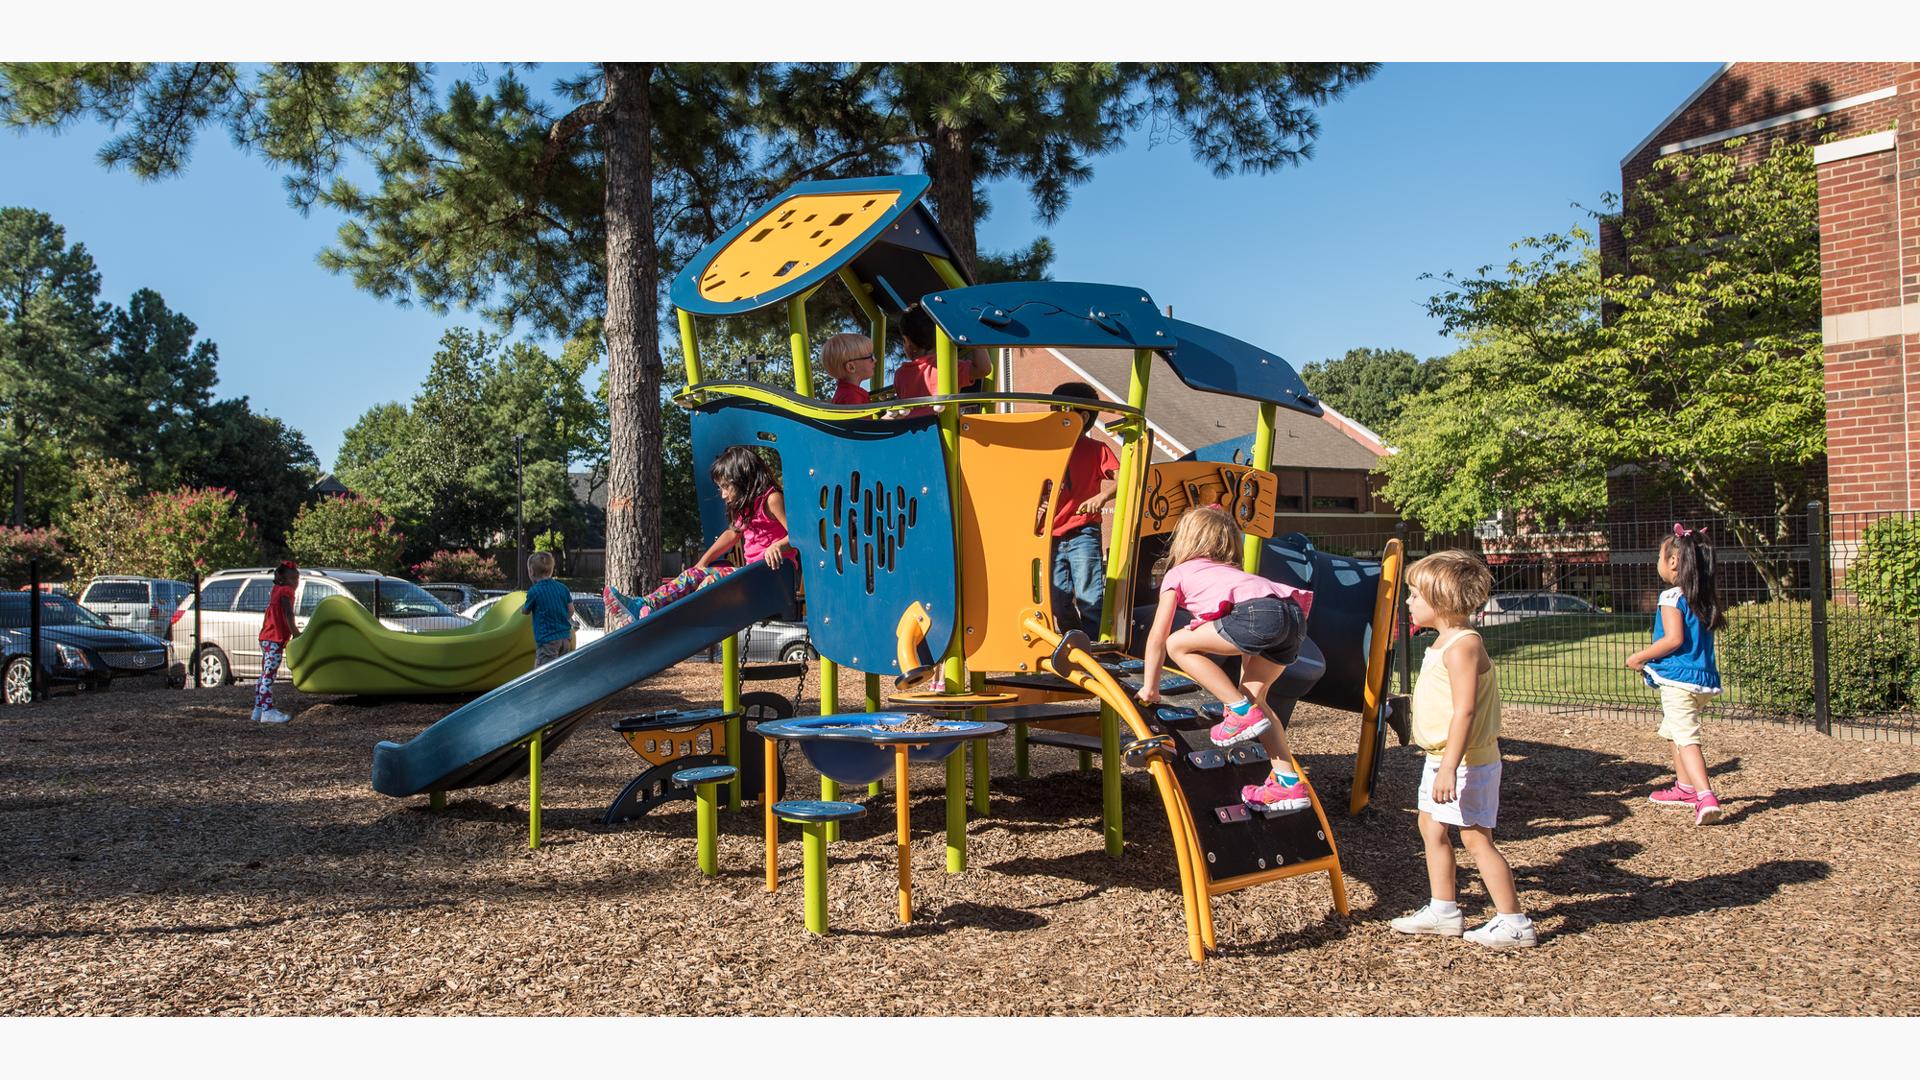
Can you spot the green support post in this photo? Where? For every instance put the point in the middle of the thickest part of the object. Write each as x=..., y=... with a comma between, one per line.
x=830, y=705
x=706, y=803
x=730, y=702
x=946, y=357
x=956, y=812
x=533, y=791
x=814, y=863
x=436, y=800
x=1086, y=761
x=1020, y=768
x=689, y=346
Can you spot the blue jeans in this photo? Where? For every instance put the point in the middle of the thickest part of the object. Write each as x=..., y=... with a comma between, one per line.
x=1079, y=580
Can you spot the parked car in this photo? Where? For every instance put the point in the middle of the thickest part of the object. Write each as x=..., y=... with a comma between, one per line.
x=140, y=604
x=77, y=647
x=1502, y=608
x=589, y=616
x=458, y=595
x=771, y=641
x=233, y=605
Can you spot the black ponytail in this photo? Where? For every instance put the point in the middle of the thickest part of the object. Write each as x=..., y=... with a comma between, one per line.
x=1695, y=576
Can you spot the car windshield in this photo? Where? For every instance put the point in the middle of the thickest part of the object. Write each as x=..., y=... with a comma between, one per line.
x=55, y=610
x=592, y=610
x=398, y=599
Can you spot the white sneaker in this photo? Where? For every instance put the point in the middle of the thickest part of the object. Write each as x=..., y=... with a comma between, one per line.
x=273, y=716
x=1429, y=921
x=1501, y=932
x=257, y=710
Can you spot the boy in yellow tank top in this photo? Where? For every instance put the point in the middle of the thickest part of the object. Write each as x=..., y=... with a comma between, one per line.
x=1456, y=720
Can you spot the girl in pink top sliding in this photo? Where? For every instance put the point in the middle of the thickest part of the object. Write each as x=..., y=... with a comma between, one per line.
x=1234, y=612
x=757, y=521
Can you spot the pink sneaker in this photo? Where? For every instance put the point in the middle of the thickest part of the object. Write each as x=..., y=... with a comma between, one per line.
x=1234, y=728
x=1275, y=796
x=1706, y=809
x=1677, y=795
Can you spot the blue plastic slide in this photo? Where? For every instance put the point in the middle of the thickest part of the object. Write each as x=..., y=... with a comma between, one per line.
x=480, y=743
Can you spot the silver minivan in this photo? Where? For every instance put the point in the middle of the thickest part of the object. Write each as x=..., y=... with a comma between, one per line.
x=143, y=605
x=233, y=606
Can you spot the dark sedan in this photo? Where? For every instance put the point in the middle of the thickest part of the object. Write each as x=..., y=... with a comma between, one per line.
x=77, y=647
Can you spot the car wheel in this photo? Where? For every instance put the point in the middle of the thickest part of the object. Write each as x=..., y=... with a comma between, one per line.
x=18, y=681
x=797, y=653
x=212, y=669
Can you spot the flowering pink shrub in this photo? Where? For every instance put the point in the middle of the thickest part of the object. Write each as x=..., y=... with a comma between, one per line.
x=191, y=531
x=466, y=566
x=18, y=547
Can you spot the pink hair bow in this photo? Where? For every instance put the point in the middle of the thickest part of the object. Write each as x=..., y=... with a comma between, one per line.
x=1682, y=531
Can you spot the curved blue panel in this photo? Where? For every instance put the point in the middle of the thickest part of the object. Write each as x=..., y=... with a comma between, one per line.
x=1341, y=620
x=869, y=513
x=1068, y=314
x=1218, y=364
x=686, y=287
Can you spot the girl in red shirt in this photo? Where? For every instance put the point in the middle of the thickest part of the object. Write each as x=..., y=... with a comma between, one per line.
x=275, y=631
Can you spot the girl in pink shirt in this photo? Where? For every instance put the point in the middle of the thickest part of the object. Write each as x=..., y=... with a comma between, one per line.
x=757, y=515
x=1234, y=612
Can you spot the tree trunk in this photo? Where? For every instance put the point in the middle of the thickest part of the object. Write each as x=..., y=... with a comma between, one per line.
x=633, y=334
x=951, y=170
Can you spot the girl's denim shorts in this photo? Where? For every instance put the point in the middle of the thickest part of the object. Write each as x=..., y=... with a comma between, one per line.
x=1268, y=626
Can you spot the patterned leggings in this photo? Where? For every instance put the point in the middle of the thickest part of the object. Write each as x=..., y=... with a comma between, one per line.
x=270, y=652
x=688, y=582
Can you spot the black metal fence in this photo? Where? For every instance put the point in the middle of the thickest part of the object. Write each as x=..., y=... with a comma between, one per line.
x=1570, y=606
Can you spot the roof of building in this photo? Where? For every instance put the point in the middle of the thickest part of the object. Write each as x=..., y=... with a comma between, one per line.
x=1189, y=419
x=329, y=484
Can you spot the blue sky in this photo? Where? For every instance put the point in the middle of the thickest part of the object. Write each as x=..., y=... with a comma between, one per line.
x=1426, y=168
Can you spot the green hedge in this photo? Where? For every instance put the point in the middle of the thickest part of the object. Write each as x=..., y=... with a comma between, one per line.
x=1886, y=572
x=1766, y=657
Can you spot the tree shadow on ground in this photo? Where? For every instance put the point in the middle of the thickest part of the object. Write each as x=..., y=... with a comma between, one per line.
x=1635, y=897
x=1756, y=805
x=217, y=928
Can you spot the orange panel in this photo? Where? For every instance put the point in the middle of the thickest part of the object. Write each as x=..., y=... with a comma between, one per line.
x=1009, y=465
x=792, y=237
x=1174, y=487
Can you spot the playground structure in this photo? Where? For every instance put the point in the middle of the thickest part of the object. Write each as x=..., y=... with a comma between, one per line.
x=924, y=546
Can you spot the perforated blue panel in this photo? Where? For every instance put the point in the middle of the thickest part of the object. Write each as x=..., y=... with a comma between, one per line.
x=869, y=512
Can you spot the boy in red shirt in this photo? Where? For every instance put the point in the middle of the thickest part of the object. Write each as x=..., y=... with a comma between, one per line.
x=849, y=359
x=918, y=376
x=275, y=631
x=1079, y=568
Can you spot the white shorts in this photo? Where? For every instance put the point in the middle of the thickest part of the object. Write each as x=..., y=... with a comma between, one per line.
x=1476, y=795
x=1680, y=710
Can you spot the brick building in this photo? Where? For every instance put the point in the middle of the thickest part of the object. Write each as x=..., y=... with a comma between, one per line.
x=1324, y=464
x=1865, y=121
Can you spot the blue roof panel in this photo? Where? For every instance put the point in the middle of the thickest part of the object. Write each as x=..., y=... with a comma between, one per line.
x=1065, y=314
x=1218, y=364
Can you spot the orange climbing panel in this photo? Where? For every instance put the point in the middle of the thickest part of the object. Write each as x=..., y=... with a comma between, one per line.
x=1010, y=464
x=1174, y=487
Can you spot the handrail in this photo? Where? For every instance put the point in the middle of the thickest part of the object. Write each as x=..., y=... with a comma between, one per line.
x=815, y=409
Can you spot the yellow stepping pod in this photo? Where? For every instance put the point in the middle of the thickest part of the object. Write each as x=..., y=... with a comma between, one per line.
x=345, y=650
x=793, y=236
x=1010, y=466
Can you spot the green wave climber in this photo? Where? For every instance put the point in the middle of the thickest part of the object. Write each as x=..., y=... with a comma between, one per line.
x=345, y=650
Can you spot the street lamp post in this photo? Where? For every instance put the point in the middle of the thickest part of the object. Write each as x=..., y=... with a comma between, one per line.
x=519, y=514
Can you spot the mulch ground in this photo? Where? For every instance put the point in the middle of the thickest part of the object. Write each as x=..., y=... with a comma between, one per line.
x=165, y=856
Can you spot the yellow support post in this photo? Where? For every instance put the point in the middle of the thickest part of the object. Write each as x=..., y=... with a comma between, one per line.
x=689, y=346
x=1134, y=458
x=730, y=703
x=1262, y=459
x=982, y=773
x=946, y=357
x=533, y=790
x=797, y=341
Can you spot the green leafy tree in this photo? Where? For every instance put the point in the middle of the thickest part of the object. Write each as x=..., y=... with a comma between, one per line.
x=970, y=123
x=1706, y=372
x=266, y=463
x=154, y=383
x=1372, y=385
x=191, y=531
x=552, y=215
x=102, y=524
x=375, y=459
x=347, y=531
x=52, y=327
